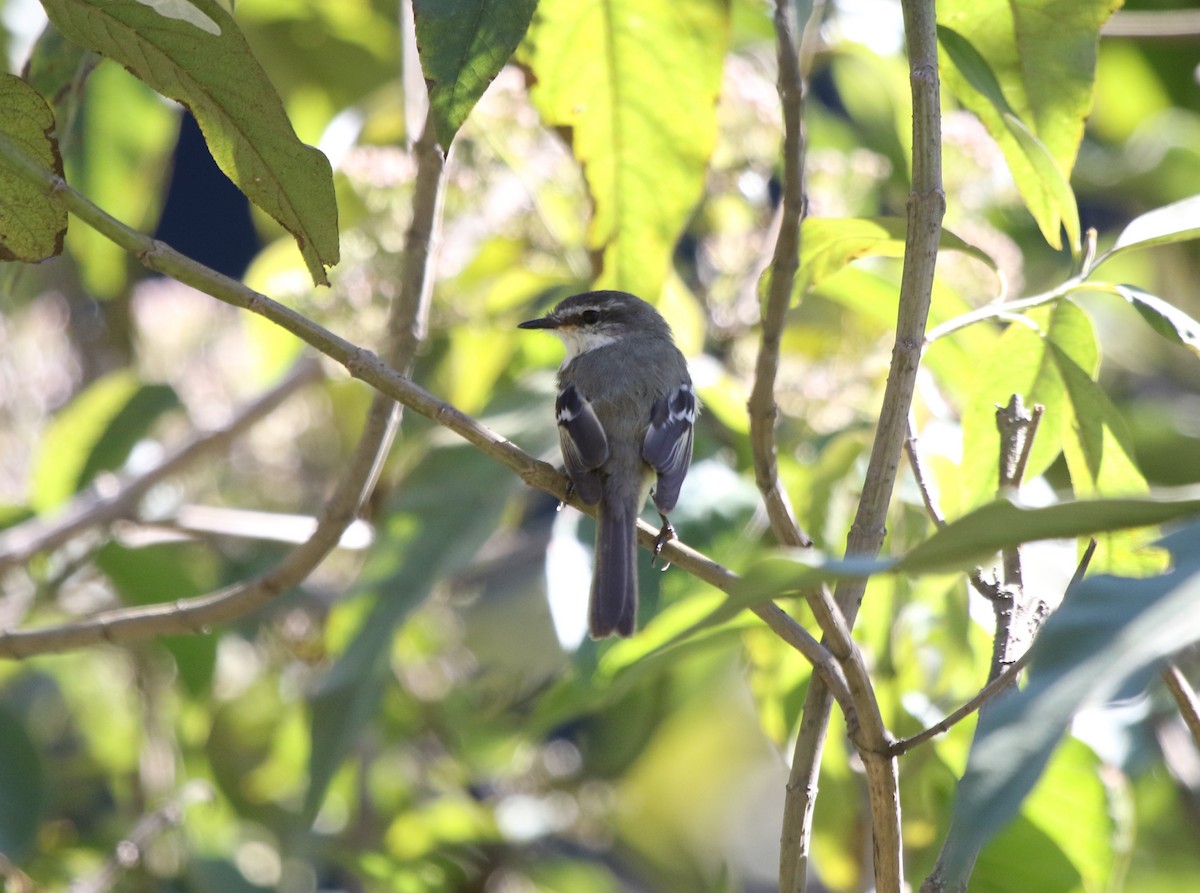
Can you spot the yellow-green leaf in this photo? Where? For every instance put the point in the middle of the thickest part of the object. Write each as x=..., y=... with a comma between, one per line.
x=32, y=225
x=634, y=83
x=1043, y=58
x=195, y=53
x=827, y=244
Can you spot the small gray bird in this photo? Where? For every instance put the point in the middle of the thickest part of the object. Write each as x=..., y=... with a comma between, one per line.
x=625, y=412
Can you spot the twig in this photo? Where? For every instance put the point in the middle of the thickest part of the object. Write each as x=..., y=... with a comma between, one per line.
x=1166, y=24
x=937, y=881
x=918, y=470
x=1002, y=310
x=1185, y=698
x=1005, y=680
x=762, y=408
x=128, y=852
x=14, y=879
x=196, y=615
x=20, y=543
x=1016, y=620
x=1002, y=682
x=926, y=206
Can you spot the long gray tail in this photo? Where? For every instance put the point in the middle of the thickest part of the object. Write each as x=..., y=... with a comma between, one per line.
x=614, y=599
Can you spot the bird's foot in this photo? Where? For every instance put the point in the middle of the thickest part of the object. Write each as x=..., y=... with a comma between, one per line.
x=665, y=535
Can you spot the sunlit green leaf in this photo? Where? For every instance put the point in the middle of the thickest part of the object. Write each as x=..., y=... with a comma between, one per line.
x=463, y=46
x=1024, y=857
x=121, y=168
x=1003, y=524
x=634, y=84
x=827, y=244
x=195, y=53
x=1109, y=633
x=95, y=433
x=1095, y=440
x=1074, y=783
x=1022, y=363
x=32, y=225
x=1042, y=57
x=1166, y=319
x=1177, y=222
x=1040, y=176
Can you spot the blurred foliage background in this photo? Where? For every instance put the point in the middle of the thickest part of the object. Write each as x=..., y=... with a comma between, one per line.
x=416, y=717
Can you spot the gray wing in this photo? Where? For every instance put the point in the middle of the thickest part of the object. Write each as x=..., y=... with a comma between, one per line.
x=668, y=444
x=584, y=443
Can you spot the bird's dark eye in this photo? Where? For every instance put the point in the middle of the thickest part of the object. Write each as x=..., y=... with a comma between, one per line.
x=590, y=317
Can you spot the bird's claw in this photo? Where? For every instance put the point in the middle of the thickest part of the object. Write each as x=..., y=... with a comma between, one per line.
x=562, y=503
x=665, y=535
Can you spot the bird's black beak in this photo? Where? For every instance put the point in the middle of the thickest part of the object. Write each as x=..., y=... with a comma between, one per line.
x=545, y=322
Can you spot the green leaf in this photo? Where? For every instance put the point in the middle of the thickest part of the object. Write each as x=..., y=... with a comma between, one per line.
x=463, y=45
x=1040, y=176
x=1022, y=363
x=32, y=225
x=828, y=244
x=1177, y=222
x=122, y=166
x=1096, y=443
x=193, y=51
x=22, y=788
x=1108, y=635
x=1166, y=319
x=448, y=507
x=634, y=83
x=163, y=573
x=974, y=537
x=1024, y=857
x=1006, y=523
x=1074, y=784
x=95, y=433
x=58, y=69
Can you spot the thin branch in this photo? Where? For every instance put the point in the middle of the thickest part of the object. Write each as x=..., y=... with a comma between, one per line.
x=1182, y=25
x=926, y=207
x=936, y=882
x=13, y=879
x=923, y=483
x=1003, y=309
x=1008, y=678
x=196, y=615
x=763, y=410
x=1002, y=682
x=1185, y=698
x=20, y=543
x=129, y=851
x=1016, y=619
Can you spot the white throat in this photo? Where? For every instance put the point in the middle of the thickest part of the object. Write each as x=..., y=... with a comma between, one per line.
x=578, y=342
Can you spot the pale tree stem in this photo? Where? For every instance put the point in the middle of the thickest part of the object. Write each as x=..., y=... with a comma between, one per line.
x=926, y=206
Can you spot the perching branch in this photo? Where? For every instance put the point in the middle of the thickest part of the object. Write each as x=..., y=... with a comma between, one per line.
x=197, y=614
x=926, y=206
x=20, y=543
